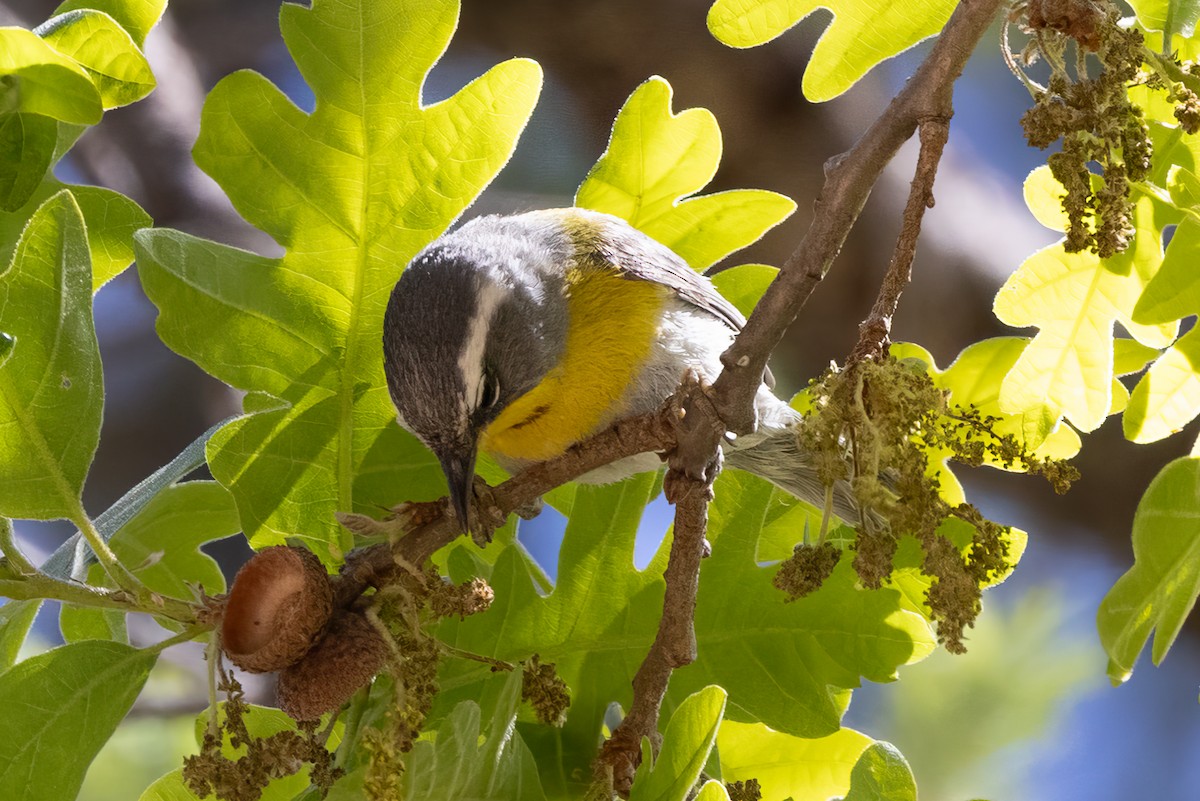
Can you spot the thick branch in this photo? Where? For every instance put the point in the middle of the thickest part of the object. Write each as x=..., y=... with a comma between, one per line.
x=675, y=644
x=848, y=183
x=688, y=485
x=874, y=331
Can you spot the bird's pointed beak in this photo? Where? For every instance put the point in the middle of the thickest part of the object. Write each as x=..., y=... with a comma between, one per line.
x=459, y=468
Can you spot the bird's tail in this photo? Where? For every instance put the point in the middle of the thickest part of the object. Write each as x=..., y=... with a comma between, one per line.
x=775, y=454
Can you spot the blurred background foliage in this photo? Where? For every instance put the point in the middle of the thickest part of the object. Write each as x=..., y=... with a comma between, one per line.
x=1027, y=713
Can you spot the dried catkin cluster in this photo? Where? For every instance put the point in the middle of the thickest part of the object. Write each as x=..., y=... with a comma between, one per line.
x=1088, y=108
x=881, y=426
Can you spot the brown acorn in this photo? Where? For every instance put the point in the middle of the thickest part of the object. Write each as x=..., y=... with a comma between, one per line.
x=347, y=657
x=278, y=608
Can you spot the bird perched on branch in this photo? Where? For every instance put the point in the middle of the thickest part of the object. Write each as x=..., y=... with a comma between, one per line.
x=521, y=335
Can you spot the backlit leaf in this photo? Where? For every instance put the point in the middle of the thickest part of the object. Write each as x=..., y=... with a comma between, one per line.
x=15, y=619
x=27, y=144
x=36, y=78
x=1172, y=17
x=1168, y=396
x=105, y=50
x=787, y=766
x=686, y=744
x=744, y=284
x=862, y=34
x=137, y=17
x=655, y=161
x=882, y=774
x=1074, y=299
x=352, y=190
x=1159, y=591
x=110, y=217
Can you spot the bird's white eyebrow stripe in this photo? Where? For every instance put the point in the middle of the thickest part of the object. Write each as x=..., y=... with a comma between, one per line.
x=470, y=358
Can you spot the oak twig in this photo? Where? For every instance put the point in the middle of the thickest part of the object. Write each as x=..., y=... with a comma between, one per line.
x=874, y=331
x=688, y=485
x=849, y=179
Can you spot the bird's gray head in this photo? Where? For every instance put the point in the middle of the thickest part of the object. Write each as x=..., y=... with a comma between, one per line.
x=475, y=321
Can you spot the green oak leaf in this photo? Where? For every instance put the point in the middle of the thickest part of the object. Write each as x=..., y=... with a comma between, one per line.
x=352, y=191
x=462, y=763
x=788, y=664
x=788, y=766
x=172, y=788
x=36, y=78
x=1159, y=591
x=77, y=623
x=1131, y=356
x=1043, y=197
x=27, y=143
x=137, y=17
x=110, y=218
x=60, y=707
x=744, y=284
x=686, y=744
x=15, y=619
x=51, y=388
x=1075, y=299
x=1168, y=396
x=863, y=33
x=712, y=790
x=1174, y=292
x=105, y=50
x=161, y=544
x=98, y=40
x=1183, y=187
x=882, y=774
x=1172, y=17
x=655, y=161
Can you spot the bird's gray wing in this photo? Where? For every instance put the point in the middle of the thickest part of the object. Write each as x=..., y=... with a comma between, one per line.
x=641, y=258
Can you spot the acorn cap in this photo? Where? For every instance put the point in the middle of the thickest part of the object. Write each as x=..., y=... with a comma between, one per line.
x=347, y=657
x=278, y=607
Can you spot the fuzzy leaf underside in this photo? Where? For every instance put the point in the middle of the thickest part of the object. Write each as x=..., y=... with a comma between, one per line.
x=51, y=388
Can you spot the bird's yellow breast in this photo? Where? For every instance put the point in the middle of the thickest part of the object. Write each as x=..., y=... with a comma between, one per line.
x=612, y=324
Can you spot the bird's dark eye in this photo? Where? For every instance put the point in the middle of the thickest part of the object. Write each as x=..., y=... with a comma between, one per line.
x=490, y=393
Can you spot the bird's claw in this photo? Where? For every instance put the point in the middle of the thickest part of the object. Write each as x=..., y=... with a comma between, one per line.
x=486, y=514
